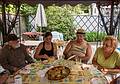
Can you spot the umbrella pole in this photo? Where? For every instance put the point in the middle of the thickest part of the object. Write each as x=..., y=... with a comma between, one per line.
x=41, y=18
x=4, y=30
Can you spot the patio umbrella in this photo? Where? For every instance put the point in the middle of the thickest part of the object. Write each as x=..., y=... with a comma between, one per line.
x=40, y=19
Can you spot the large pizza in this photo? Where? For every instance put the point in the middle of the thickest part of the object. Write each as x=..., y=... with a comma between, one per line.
x=57, y=73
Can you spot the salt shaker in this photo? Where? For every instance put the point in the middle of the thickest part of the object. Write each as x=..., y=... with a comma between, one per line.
x=18, y=79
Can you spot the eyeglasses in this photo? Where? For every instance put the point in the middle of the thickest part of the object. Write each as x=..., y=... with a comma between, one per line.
x=106, y=45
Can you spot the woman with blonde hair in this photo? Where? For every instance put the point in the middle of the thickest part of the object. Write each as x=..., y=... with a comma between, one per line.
x=106, y=58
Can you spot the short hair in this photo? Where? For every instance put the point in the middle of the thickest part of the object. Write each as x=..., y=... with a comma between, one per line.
x=47, y=34
x=113, y=40
x=12, y=37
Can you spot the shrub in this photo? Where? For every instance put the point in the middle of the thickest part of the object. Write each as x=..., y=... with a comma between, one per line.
x=95, y=36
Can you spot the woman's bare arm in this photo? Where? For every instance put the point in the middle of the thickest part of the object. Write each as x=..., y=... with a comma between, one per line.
x=38, y=49
x=94, y=62
x=88, y=53
x=67, y=48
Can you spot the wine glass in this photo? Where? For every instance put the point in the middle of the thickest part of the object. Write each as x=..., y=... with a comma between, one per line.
x=77, y=60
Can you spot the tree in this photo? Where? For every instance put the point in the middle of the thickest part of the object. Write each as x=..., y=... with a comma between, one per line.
x=60, y=19
x=7, y=25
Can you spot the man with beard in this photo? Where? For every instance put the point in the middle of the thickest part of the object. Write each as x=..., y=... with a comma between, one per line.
x=13, y=55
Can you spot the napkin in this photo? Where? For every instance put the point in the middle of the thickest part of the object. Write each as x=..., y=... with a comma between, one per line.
x=1, y=69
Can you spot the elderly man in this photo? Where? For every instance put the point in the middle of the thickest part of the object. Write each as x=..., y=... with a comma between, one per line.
x=13, y=55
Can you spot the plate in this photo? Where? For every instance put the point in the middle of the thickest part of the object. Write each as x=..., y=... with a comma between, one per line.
x=57, y=73
x=99, y=80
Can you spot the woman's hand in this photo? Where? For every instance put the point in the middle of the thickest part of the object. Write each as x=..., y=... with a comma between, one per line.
x=104, y=70
x=45, y=56
x=51, y=59
x=79, y=54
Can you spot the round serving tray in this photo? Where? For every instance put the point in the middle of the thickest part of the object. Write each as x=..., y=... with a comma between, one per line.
x=57, y=73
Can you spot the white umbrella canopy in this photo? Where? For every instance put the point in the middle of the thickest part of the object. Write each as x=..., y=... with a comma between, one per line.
x=40, y=19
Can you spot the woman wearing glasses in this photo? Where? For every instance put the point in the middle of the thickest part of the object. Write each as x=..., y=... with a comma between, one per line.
x=106, y=58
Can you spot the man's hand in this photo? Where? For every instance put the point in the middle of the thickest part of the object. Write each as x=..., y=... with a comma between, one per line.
x=15, y=69
x=3, y=78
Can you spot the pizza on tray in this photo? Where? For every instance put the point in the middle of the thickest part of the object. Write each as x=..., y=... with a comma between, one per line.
x=57, y=73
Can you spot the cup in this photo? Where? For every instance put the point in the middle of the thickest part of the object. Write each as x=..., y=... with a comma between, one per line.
x=42, y=73
x=18, y=79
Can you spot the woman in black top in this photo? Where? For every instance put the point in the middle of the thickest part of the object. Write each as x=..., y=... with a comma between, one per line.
x=46, y=49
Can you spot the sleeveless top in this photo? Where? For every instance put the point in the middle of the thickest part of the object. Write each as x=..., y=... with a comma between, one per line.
x=81, y=49
x=47, y=52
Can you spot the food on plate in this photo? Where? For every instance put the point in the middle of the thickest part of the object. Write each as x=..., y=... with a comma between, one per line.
x=37, y=66
x=45, y=62
x=51, y=59
x=73, y=72
x=72, y=77
x=76, y=67
x=57, y=73
x=24, y=71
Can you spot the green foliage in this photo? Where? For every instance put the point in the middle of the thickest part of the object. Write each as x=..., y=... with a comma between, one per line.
x=10, y=9
x=27, y=9
x=60, y=19
x=81, y=7
x=24, y=9
x=95, y=36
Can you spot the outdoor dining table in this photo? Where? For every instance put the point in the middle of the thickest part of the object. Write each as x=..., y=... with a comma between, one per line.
x=35, y=73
